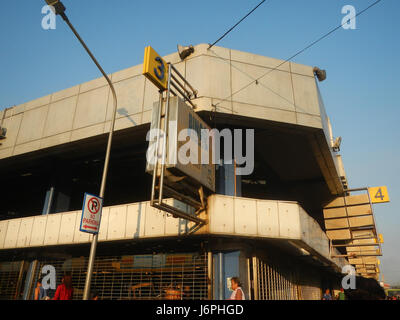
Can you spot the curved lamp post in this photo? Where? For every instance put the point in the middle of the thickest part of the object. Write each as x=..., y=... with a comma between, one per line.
x=60, y=10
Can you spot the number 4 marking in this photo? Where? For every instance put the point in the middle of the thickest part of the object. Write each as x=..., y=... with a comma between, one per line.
x=379, y=195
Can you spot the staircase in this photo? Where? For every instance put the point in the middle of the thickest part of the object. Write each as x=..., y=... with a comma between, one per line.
x=351, y=227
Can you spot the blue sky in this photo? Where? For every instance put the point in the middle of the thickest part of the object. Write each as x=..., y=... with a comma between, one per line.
x=361, y=93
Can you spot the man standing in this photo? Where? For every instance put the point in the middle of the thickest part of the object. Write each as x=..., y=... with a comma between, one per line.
x=327, y=295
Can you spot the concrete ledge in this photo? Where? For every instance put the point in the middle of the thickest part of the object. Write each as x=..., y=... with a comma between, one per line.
x=229, y=216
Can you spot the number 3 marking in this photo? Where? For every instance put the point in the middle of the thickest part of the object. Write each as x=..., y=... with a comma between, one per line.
x=160, y=75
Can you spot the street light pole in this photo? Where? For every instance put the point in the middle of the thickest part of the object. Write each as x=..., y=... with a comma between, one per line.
x=60, y=10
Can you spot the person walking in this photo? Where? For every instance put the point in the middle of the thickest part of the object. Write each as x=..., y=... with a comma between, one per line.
x=94, y=295
x=237, y=293
x=342, y=295
x=40, y=292
x=327, y=295
x=65, y=291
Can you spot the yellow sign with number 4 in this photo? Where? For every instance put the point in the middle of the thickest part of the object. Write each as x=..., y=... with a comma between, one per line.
x=379, y=194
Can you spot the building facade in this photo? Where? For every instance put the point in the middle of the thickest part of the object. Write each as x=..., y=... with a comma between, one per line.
x=268, y=228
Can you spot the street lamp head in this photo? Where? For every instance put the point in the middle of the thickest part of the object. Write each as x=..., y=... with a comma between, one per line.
x=58, y=6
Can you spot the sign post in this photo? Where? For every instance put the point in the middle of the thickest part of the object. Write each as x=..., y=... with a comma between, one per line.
x=60, y=9
x=91, y=214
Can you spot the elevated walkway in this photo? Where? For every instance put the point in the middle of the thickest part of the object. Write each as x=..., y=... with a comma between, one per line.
x=280, y=221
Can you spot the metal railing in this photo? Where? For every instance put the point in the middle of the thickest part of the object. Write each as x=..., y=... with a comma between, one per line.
x=273, y=282
x=177, y=86
x=9, y=278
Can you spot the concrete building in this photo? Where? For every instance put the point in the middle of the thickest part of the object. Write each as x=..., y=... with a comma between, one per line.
x=270, y=230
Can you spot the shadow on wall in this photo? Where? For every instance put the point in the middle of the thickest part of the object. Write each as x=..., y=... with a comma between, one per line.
x=124, y=112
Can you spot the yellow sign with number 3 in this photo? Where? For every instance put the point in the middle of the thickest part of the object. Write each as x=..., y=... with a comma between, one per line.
x=379, y=194
x=155, y=68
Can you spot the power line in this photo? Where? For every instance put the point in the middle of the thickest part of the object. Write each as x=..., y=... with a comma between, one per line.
x=254, y=79
x=301, y=51
x=211, y=45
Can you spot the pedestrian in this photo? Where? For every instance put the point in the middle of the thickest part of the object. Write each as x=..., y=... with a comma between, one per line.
x=40, y=292
x=342, y=295
x=94, y=295
x=65, y=291
x=327, y=295
x=187, y=293
x=237, y=293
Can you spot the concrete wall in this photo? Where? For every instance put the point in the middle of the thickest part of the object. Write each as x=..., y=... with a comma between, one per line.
x=285, y=220
x=288, y=94
x=228, y=216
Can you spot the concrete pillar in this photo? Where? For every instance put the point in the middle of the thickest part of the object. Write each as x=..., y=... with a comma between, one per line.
x=228, y=265
x=221, y=276
x=27, y=295
x=48, y=201
x=226, y=181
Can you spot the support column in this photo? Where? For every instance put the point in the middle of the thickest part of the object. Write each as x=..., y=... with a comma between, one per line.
x=228, y=183
x=221, y=288
x=210, y=276
x=255, y=278
x=19, y=282
x=48, y=201
x=29, y=280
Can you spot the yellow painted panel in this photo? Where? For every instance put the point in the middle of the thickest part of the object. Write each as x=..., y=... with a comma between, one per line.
x=155, y=68
x=336, y=224
x=349, y=211
x=357, y=200
x=361, y=221
x=339, y=234
x=379, y=194
x=349, y=201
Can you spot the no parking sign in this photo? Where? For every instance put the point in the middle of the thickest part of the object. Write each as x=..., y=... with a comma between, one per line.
x=91, y=214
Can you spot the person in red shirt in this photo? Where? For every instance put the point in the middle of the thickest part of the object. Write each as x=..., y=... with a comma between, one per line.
x=64, y=290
